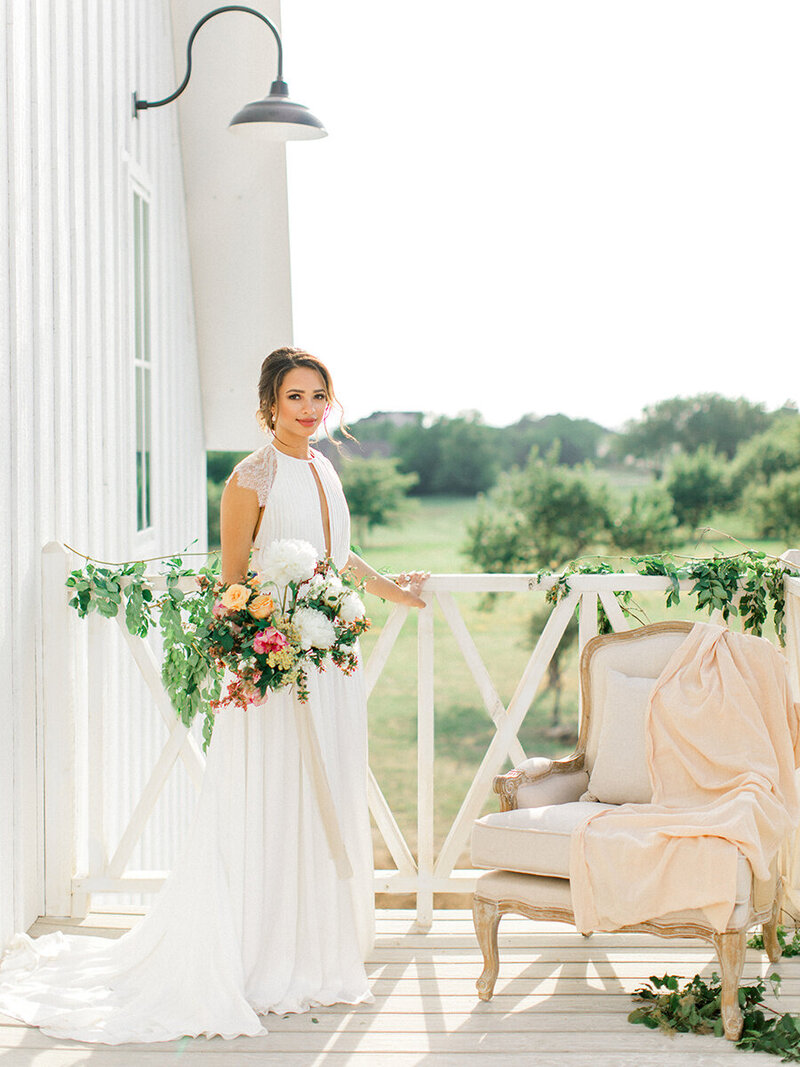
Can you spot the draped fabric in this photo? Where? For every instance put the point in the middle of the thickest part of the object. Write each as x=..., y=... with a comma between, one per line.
x=723, y=746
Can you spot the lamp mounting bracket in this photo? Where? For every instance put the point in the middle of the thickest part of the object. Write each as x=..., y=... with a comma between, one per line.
x=141, y=105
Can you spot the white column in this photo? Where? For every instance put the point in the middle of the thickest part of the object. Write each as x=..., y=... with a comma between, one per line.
x=425, y=757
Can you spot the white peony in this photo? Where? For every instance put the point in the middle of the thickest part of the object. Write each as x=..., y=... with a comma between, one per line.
x=332, y=590
x=288, y=561
x=351, y=608
x=316, y=631
x=315, y=586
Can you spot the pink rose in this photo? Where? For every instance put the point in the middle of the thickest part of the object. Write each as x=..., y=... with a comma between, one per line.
x=219, y=610
x=269, y=640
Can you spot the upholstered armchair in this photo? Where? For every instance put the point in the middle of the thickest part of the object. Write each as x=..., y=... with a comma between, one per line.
x=526, y=845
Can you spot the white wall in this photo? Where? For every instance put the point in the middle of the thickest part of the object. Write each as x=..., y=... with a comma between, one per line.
x=237, y=210
x=69, y=151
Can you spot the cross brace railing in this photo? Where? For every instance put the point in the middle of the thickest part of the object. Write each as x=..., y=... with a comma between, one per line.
x=421, y=871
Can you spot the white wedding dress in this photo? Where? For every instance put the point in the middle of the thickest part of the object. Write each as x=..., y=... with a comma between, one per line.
x=253, y=918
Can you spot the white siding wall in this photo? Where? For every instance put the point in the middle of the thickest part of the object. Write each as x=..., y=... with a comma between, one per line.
x=238, y=211
x=69, y=151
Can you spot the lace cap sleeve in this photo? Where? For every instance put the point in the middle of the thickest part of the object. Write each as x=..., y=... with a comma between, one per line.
x=257, y=472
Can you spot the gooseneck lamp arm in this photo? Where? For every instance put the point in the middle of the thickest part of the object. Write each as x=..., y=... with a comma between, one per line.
x=141, y=105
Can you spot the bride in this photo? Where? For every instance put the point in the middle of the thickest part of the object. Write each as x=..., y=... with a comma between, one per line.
x=256, y=916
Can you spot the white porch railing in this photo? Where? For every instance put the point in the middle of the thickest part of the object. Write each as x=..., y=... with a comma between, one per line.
x=67, y=890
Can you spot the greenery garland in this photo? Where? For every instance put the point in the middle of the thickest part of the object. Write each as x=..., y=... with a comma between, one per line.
x=788, y=948
x=695, y=1008
x=748, y=584
x=187, y=670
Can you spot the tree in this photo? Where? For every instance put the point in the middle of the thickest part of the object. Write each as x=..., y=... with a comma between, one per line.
x=546, y=514
x=418, y=449
x=579, y=440
x=766, y=475
x=689, y=423
x=539, y=516
x=376, y=492
x=218, y=466
x=699, y=484
x=555, y=668
x=769, y=453
x=467, y=459
x=454, y=457
x=775, y=507
x=646, y=523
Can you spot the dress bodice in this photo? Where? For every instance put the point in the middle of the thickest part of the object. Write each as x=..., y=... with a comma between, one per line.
x=287, y=491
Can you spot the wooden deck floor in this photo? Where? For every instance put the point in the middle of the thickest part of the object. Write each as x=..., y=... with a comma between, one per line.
x=561, y=1000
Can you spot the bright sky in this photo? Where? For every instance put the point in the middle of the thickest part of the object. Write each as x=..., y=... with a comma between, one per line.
x=575, y=205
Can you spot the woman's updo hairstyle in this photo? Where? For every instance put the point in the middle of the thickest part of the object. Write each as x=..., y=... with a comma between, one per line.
x=275, y=368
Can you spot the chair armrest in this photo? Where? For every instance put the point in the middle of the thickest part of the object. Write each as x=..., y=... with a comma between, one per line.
x=542, y=781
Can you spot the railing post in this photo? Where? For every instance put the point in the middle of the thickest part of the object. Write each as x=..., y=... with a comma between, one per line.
x=791, y=585
x=587, y=629
x=97, y=858
x=425, y=757
x=58, y=718
x=587, y=619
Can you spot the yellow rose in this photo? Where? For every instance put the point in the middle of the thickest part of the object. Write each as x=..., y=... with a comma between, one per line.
x=235, y=597
x=261, y=607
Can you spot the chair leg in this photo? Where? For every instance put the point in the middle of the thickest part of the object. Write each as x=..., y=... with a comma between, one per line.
x=730, y=953
x=769, y=930
x=486, y=916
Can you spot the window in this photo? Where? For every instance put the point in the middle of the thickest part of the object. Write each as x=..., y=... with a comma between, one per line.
x=142, y=366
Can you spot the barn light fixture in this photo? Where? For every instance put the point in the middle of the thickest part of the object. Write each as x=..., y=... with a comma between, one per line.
x=275, y=118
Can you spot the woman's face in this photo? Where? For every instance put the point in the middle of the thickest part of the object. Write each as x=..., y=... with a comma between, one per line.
x=302, y=403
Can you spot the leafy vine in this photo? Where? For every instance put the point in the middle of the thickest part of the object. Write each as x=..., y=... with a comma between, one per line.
x=748, y=584
x=788, y=948
x=695, y=1008
x=187, y=670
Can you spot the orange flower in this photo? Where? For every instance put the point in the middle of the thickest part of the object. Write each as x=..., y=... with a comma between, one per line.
x=261, y=607
x=235, y=596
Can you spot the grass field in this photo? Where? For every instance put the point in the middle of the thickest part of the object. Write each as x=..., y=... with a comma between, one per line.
x=431, y=538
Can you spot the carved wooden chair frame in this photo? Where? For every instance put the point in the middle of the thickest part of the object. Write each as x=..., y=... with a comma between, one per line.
x=730, y=946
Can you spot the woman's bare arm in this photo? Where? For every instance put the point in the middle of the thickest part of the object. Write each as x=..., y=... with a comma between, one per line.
x=404, y=591
x=239, y=515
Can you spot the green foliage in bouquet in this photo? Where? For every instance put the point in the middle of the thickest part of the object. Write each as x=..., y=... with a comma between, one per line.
x=231, y=645
x=296, y=613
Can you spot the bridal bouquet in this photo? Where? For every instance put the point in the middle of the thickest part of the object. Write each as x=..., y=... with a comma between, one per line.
x=295, y=613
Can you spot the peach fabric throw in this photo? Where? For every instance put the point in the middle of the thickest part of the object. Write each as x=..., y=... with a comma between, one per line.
x=723, y=744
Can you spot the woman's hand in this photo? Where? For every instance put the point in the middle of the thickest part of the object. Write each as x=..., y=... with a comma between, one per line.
x=404, y=589
x=411, y=584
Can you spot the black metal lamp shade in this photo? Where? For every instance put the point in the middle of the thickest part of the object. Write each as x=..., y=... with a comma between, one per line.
x=277, y=118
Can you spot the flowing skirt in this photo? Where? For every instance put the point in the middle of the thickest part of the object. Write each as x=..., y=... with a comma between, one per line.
x=253, y=917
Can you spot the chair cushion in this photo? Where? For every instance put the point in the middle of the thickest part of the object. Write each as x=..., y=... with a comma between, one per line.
x=543, y=892
x=619, y=774
x=530, y=840
x=537, y=841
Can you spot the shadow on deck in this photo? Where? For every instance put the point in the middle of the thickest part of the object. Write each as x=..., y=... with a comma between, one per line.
x=561, y=1000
